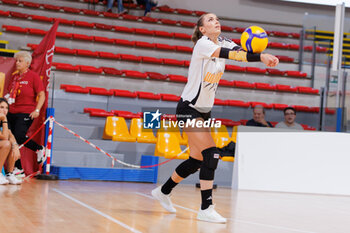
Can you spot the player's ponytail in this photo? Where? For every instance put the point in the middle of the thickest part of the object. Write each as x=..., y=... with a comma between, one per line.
x=197, y=33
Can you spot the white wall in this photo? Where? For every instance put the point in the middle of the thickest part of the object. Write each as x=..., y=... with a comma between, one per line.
x=273, y=11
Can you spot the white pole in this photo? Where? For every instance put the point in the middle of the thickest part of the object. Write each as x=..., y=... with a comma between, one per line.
x=338, y=47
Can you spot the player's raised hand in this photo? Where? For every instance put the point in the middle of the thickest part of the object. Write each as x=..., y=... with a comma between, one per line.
x=269, y=60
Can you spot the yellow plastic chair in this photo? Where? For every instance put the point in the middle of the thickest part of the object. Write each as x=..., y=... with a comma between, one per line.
x=234, y=134
x=220, y=136
x=168, y=146
x=142, y=135
x=171, y=128
x=228, y=159
x=117, y=130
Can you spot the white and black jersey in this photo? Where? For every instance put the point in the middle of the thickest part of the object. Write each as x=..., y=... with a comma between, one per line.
x=204, y=73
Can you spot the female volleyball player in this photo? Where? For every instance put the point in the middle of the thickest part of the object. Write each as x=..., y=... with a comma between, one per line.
x=206, y=68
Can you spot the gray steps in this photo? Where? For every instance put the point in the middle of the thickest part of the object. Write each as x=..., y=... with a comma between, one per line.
x=86, y=131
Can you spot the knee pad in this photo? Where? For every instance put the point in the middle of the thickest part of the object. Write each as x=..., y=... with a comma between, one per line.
x=210, y=162
x=188, y=167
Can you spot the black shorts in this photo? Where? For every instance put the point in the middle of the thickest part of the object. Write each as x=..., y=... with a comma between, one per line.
x=184, y=112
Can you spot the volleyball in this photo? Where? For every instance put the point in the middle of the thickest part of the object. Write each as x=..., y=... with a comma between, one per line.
x=254, y=39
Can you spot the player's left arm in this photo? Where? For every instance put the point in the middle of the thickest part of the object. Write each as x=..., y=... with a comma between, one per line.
x=238, y=54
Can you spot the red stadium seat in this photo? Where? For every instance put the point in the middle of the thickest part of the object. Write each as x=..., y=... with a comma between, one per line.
x=88, y=110
x=177, y=78
x=71, y=10
x=170, y=97
x=163, y=34
x=111, y=71
x=51, y=7
x=166, y=9
x=32, y=46
x=307, y=90
x=187, y=24
x=134, y=74
x=130, y=5
x=264, y=86
x=149, y=19
x=226, y=83
x=103, y=26
x=294, y=35
x=124, y=29
x=292, y=73
x=88, y=53
x=243, y=121
x=90, y=69
x=293, y=46
x=77, y=89
x=165, y=47
x=4, y=13
x=237, y=41
x=124, y=42
x=187, y=63
x=35, y=31
x=330, y=111
x=237, y=103
x=184, y=49
x=238, y=29
x=66, y=21
x=280, y=34
x=103, y=39
x=173, y=62
x=63, y=86
x=41, y=18
x=183, y=11
x=199, y=13
x=110, y=15
x=124, y=93
x=168, y=21
x=235, y=68
x=142, y=44
x=10, y=2
x=279, y=106
x=128, y=57
x=144, y=31
x=82, y=37
x=101, y=113
x=321, y=49
x=277, y=45
x=18, y=15
x=147, y=95
x=9, y=28
x=265, y=105
x=130, y=17
x=67, y=67
x=243, y=84
x=228, y=122
x=182, y=36
x=64, y=35
x=220, y=102
x=271, y=71
x=156, y=76
x=84, y=24
x=227, y=28
x=91, y=12
x=285, y=58
x=285, y=88
x=151, y=60
x=301, y=108
x=109, y=55
x=65, y=50
x=255, y=70
x=100, y=91
x=126, y=114
x=308, y=48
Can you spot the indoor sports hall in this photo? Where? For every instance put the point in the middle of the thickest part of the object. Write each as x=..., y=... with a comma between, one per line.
x=174, y=116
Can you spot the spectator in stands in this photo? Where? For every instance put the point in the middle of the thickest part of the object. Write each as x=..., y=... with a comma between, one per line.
x=289, y=120
x=259, y=118
x=120, y=6
x=197, y=99
x=148, y=5
x=9, y=151
x=26, y=96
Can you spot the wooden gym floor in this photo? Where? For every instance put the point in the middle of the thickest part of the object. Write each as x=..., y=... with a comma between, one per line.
x=79, y=206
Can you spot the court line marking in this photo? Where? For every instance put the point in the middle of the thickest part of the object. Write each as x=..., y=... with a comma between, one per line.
x=97, y=211
x=236, y=220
